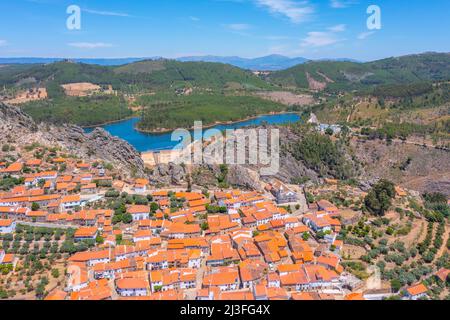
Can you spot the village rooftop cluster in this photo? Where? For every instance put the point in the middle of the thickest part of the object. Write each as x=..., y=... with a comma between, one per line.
x=173, y=244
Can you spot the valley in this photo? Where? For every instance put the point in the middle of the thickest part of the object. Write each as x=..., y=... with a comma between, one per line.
x=363, y=182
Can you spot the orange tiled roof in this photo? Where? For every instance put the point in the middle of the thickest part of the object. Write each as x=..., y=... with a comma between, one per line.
x=90, y=255
x=86, y=232
x=14, y=167
x=74, y=198
x=417, y=289
x=56, y=295
x=131, y=283
x=5, y=222
x=354, y=296
x=138, y=209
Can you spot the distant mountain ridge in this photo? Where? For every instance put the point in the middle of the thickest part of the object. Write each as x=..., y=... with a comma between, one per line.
x=99, y=61
x=266, y=63
x=165, y=74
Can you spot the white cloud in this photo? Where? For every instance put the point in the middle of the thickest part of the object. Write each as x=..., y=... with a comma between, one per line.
x=107, y=13
x=338, y=28
x=90, y=45
x=194, y=18
x=238, y=26
x=3, y=43
x=319, y=39
x=323, y=38
x=295, y=11
x=339, y=4
x=365, y=35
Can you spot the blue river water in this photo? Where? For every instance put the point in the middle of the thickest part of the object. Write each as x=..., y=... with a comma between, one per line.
x=163, y=141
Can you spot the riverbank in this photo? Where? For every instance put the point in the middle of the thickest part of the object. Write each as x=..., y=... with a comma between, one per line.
x=218, y=123
x=160, y=142
x=110, y=122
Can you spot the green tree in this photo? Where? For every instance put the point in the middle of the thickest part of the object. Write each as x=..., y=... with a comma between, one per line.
x=35, y=206
x=127, y=218
x=55, y=273
x=329, y=131
x=379, y=199
x=154, y=207
x=396, y=285
x=205, y=226
x=99, y=239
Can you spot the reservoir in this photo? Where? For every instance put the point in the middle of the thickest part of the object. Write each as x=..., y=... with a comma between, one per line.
x=162, y=141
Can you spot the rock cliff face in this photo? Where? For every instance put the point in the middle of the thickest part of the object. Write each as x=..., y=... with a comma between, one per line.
x=13, y=122
x=168, y=174
x=17, y=127
x=237, y=176
x=244, y=178
x=102, y=145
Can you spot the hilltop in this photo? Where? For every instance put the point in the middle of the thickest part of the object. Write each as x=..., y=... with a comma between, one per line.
x=219, y=71
x=345, y=75
x=172, y=85
x=163, y=73
x=117, y=87
x=19, y=129
x=149, y=74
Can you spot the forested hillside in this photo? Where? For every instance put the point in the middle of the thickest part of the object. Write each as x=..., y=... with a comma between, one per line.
x=173, y=93
x=344, y=76
x=83, y=111
x=146, y=75
x=162, y=111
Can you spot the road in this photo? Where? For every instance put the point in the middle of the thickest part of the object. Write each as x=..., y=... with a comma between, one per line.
x=190, y=294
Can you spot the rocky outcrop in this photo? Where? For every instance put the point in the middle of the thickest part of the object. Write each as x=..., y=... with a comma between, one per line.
x=100, y=144
x=168, y=174
x=205, y=176
x=14, y=122
x=292, y=169
x=244, y=178
x=17, y=127
x=236, y=176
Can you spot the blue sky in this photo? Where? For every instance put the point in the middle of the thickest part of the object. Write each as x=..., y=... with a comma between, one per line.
x=247, y=28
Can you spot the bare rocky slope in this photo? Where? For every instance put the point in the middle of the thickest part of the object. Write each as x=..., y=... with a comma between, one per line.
x=419, y=168
x=291, y=170
x=18, y=128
